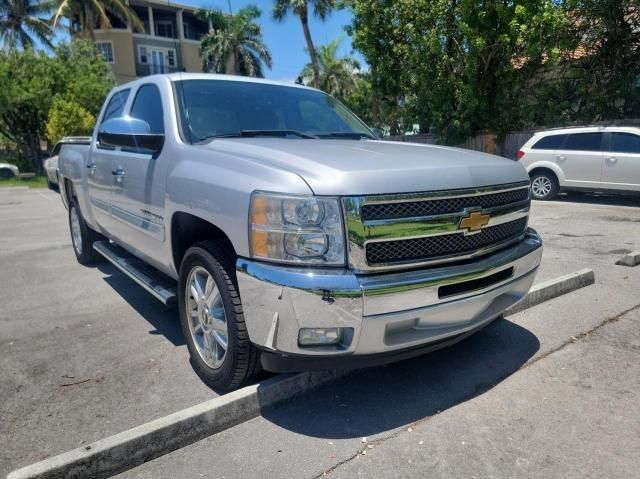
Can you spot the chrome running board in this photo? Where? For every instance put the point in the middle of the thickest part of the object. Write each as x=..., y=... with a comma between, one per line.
x=156, y=283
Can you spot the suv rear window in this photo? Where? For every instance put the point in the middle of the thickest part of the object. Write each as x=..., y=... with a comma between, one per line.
x=625, y=143
x=583, y=142
x=551, y=142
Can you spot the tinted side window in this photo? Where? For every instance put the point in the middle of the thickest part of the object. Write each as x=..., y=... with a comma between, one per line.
x=583, y=142
x=625, y=143
x=116, y=105
x=56, y=149
x=551, y=142
x=147, y=106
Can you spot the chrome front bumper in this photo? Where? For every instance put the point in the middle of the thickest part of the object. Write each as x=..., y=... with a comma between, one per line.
x=387, y=312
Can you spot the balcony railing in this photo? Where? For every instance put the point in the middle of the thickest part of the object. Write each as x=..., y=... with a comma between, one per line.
x=144, y=69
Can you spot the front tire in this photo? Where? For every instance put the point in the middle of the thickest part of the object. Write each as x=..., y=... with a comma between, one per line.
x=82, y=237
x=544, y=186
x=212, y=319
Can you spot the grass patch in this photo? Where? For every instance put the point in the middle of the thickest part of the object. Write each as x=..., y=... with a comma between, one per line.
x=31, y=182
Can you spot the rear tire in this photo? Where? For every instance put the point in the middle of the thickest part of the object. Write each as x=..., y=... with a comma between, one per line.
x=544, y=186
x=212, y=319
x=82, y=237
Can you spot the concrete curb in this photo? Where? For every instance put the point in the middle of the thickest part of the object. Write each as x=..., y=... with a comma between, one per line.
x=136, y=446
x=131, y=448
x=14, y=188
x=553, y=288
x=630, y=259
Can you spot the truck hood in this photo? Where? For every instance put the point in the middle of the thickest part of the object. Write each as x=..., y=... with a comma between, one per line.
x=368, y=167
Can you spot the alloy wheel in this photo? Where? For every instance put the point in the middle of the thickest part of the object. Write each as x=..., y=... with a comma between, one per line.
x=76, y=232
x=541, y=186
x=207, y=318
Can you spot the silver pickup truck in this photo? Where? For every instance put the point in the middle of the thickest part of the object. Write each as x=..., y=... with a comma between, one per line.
x=290, y=236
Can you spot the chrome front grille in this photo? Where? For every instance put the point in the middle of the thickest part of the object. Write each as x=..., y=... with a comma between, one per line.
x=420, y=249
x=399, y=231
x=409, y=209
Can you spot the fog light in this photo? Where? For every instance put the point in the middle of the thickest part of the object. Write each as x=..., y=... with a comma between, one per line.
x=319, y=336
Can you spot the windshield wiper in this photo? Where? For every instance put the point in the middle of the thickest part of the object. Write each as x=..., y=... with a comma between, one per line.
x=350, y=135
x=255, y=133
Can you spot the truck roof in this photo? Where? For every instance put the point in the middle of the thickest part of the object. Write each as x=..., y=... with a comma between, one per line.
x=173, y=77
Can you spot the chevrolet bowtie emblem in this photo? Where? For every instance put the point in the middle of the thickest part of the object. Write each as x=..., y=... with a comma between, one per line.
x=473, y=222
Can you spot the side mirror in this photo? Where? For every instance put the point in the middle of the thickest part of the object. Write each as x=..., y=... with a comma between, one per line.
x=130, y=134
x=378, y=133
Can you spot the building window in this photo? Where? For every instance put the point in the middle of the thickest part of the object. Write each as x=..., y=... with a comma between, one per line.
x=171, y=57
x=164, y=29
x=106, y=48
x=143, y=55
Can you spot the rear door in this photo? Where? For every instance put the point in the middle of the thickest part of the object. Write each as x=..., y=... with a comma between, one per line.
x=99, y=171
x=621, y=168
x=580, y=159
x=138, y=194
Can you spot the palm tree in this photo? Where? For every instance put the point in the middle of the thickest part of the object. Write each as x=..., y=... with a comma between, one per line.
x=338, y=76
x=321, y=9
x=234, y=44
x=21, y=23
x=84, y=15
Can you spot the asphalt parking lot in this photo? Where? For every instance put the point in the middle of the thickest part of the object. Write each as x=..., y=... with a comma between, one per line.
x=549, y=391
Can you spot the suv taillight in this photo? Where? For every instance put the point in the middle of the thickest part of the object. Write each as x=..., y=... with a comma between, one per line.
x=520, y=154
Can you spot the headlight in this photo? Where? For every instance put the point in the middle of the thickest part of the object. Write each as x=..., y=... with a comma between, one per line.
x=296, y=229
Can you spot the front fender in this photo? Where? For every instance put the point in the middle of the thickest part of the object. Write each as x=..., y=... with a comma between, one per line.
x=217, y=188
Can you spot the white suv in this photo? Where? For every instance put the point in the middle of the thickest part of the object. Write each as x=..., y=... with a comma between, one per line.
x=584, y=158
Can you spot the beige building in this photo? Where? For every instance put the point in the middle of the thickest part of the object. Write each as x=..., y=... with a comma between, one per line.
x=169, y=43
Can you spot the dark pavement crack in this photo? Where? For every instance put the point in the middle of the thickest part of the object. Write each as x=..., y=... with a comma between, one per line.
x=481, y=388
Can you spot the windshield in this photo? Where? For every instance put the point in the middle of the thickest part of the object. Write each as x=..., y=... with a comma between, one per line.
x=223, y=108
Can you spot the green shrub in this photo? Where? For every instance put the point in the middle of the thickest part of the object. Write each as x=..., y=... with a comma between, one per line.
x=68, y=118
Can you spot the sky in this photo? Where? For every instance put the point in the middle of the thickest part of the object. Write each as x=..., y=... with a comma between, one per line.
x=285, y=40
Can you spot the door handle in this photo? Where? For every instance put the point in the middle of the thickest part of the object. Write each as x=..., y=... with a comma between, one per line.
x=92, y=166
x=118, y=174
x=612, y=159
x=561, y=157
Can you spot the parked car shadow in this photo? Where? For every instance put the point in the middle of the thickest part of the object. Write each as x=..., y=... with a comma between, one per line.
x=163, y=318
x=599, y=198
x=375, y=400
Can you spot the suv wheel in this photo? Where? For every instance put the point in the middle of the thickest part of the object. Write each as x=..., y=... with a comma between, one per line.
x=82, y=237
x=544, y=186
x=212, y=319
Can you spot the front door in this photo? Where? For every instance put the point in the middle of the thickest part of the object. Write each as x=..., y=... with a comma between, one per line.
x=580, y=159
x=158, y=61
x=100, y=179
x=621, y=169
x=138, y=193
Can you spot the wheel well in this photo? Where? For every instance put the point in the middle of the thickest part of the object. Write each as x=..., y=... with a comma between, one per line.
x=187, y=230
x=68, y=190
x=544, y=170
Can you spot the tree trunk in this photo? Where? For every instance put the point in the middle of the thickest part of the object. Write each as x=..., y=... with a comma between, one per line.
x=312, y=50
x=230, y=65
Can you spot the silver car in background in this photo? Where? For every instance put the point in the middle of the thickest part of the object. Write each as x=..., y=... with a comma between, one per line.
x=51, y=163
x=7, y=170
x=589, y=159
